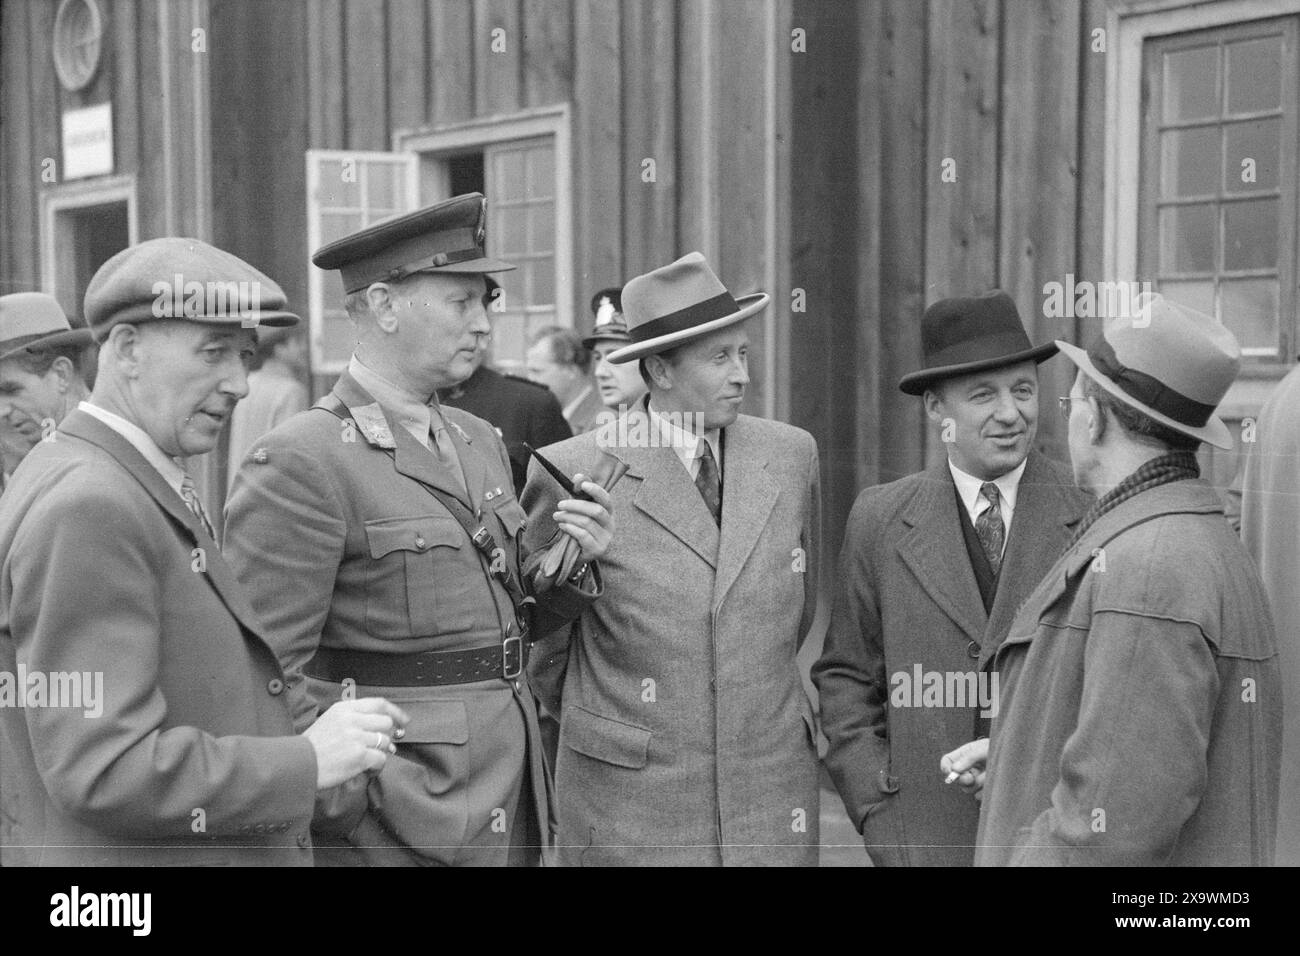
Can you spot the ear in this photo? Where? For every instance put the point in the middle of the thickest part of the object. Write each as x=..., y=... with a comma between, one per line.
x=124, y=345
x=933, y=405
x=1096, y=422
x=64, y=371
x=379, y=299
x=660, y=374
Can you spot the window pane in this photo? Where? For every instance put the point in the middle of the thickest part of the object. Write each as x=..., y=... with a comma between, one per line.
x=543, y=281
x=1257, y=141
x=512, y=236
x=1191, y=84
x=1187, y=238
x=338, y=335
x=336, y=225
x=508, y=175
x=334, y=189
x=1194, y=295
x=1250, y=311
x=541, y=228
x=1250, y=234
x=1254, y=74
x=383, y=189
x=1191, y=162
x=541, y=172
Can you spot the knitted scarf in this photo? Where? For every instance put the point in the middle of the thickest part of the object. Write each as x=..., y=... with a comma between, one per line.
x=1174, y=466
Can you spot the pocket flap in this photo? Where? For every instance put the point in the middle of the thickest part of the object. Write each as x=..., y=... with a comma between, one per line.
x=435, y=722
x=416, y=534
x=512, y=515
x=604, y=739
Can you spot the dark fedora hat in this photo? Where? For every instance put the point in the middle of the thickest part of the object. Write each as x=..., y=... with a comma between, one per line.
x=971, y=334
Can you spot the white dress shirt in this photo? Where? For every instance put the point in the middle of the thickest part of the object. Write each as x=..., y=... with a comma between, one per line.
x=968, y=487
x=163, y=463
x=686, y=444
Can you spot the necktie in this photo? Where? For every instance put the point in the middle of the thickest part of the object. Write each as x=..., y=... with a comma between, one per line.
x=192, y=502
x=989, y=526
x=706, y=480
x=445, y=449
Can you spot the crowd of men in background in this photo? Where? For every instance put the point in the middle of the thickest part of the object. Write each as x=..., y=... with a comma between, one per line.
x=372, y=659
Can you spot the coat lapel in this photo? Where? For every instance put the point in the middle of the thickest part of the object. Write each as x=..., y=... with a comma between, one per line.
x=936, y=552
x=1044, y=510
x=84, y=426
x=748, y=495
x=666, y=494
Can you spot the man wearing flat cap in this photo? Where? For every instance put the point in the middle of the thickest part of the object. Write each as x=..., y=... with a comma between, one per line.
x=379, y=536
x=1141, y=699
x=685, y=734
x=42, y=368
x=932, y=570
x=154, y=726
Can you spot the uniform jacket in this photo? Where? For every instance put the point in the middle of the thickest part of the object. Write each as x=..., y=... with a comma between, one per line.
x=907, y=604
x=333, y=530
x=192, y=760
x=1141, y=706
x=1271, y=532
x=520, y=410
x=686, y=736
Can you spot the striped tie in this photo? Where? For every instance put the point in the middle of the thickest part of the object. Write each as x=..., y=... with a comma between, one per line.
x=192, y=502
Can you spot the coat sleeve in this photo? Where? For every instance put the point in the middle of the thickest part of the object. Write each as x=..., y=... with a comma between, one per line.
x=850, y=675
x=1134, y=769
x=285, y=532
x=810, y=542
x=91, y=603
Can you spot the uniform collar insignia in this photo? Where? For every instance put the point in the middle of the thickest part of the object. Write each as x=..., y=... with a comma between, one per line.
x=460, y=431
x=370, y=419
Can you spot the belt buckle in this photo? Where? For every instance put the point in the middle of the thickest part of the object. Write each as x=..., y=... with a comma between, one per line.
x=508, y=672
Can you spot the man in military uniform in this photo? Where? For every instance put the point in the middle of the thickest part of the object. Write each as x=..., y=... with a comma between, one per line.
x=378, y=534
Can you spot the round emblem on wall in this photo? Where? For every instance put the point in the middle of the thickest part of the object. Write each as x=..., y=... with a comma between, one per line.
x=78, y=35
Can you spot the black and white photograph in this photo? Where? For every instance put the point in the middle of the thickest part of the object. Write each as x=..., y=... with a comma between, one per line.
x=651, y=433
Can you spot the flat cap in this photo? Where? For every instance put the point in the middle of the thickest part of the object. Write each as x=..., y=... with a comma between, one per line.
x=34, y=322
x=446, y=237
x=186, y=279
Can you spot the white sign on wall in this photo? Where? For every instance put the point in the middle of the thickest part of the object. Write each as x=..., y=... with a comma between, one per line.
x=88, y=141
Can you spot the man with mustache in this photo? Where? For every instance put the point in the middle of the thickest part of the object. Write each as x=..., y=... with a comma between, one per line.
x=379, y=535
x=42, y=369
x=685, y=734
x=110, y=574
x=932, y=570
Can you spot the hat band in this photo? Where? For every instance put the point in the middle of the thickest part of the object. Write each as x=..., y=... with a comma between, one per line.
x=22, y=341
x=1148, y=390
x=984, y=349
x=719, y=307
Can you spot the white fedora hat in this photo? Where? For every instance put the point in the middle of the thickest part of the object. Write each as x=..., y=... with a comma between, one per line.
x=677, y=303
x=32, y=322
x=1169, y=362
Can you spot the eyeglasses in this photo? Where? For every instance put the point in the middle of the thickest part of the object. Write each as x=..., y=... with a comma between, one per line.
x=1065, y=402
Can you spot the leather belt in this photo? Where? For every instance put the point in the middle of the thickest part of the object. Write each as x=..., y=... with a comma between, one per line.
x=426, y=669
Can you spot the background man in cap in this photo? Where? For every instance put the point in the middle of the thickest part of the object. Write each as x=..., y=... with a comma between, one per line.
x=172, y=741
x=1141, y=703
x=43, y=368
x=686, y=736
x=275, y=390
x=379, y=535
x=559, y=360
x=932, y=570
x=521, y=411
x=620, y=386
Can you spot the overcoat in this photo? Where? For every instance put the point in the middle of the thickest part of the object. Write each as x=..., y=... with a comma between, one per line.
x=334, y=532
x=907, y=605
x=1141, y=702
x=192, y=758
x=686, y=736
x=1270, y=528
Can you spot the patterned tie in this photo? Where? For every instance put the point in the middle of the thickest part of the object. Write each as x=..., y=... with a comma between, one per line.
x=989, y=526
x=192, y=502
x=706, y=480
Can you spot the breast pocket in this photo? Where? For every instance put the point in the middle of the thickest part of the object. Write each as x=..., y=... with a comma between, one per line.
x=423, y=576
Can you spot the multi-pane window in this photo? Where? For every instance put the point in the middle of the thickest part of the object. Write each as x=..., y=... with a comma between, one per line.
x=347, y=191
x=1218, y=189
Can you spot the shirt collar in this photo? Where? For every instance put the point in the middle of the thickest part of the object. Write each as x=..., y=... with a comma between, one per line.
x=407, y=409
x=968, y=486
x=684, y=442
x=164, y=464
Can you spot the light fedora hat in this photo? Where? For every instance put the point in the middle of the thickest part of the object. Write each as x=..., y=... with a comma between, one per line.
x=677, y=303
x=32, y=322
x=1169, y=362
